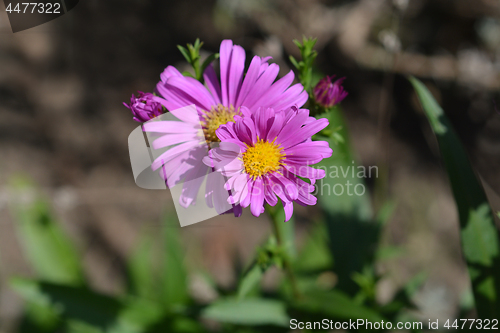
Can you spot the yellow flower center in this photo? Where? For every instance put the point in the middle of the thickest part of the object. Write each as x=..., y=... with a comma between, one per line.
x=263, y=157
x=218, y=115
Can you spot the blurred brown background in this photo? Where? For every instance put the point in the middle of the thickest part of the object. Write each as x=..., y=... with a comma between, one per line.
x=62, y=123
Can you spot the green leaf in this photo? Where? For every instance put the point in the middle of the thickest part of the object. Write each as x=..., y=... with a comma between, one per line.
x=174, y=280
x=88, y=311
x=77, y=326
x=250, y=281
x=335, y=305
x=479, y=234
x=51, y=253
x=75, y=302
x=480, y=242
x=248, y=312
x=140, y=269
x=314, y=255
x=186, y=73
x=38, y=318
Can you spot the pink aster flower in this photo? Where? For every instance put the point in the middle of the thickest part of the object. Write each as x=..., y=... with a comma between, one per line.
x=329, y=94
x=143, y=107
x=263, y=155
x=216, y=104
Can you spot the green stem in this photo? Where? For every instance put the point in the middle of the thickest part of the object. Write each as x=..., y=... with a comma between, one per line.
x=285, y=242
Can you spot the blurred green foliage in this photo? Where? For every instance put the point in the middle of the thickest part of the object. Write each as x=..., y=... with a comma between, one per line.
x=334, y=275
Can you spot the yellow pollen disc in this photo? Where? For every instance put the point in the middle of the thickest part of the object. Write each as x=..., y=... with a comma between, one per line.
x=218, y=115
x=263, y=157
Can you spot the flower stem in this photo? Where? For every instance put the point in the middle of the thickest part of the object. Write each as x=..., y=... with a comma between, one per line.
x=283, y=232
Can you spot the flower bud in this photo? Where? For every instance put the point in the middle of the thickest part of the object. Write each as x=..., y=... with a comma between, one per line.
x=144, y=107
x=329, y=94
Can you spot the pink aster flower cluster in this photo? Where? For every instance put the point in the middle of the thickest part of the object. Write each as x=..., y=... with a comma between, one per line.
x=245, y=125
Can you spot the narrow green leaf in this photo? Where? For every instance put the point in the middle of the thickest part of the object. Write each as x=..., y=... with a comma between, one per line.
x=432, y=109
x=248, y=312
x=478, y=232
x=185, y=53
x=294, y=62
x=250, y=281
x=51, y=253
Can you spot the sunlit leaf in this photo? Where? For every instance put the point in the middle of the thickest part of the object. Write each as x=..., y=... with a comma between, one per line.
x=248, y=312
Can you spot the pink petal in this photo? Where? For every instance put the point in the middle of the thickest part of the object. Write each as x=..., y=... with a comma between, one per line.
x=191, y=187
x=171, y=153
x=169, y=127
x=275, y=91
x=169, y=72
x=268, y=192
x=212, y=83
x=173, y=139
x=295, y=95
x=250, y=79
x=304, y=133
x=257, y=199
x=246, y=195
x=263, y=84
x=194, y=90
x=187, y=114
x=226, y=48
x=291, y=129
x=236, y=73
x=289, y=187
